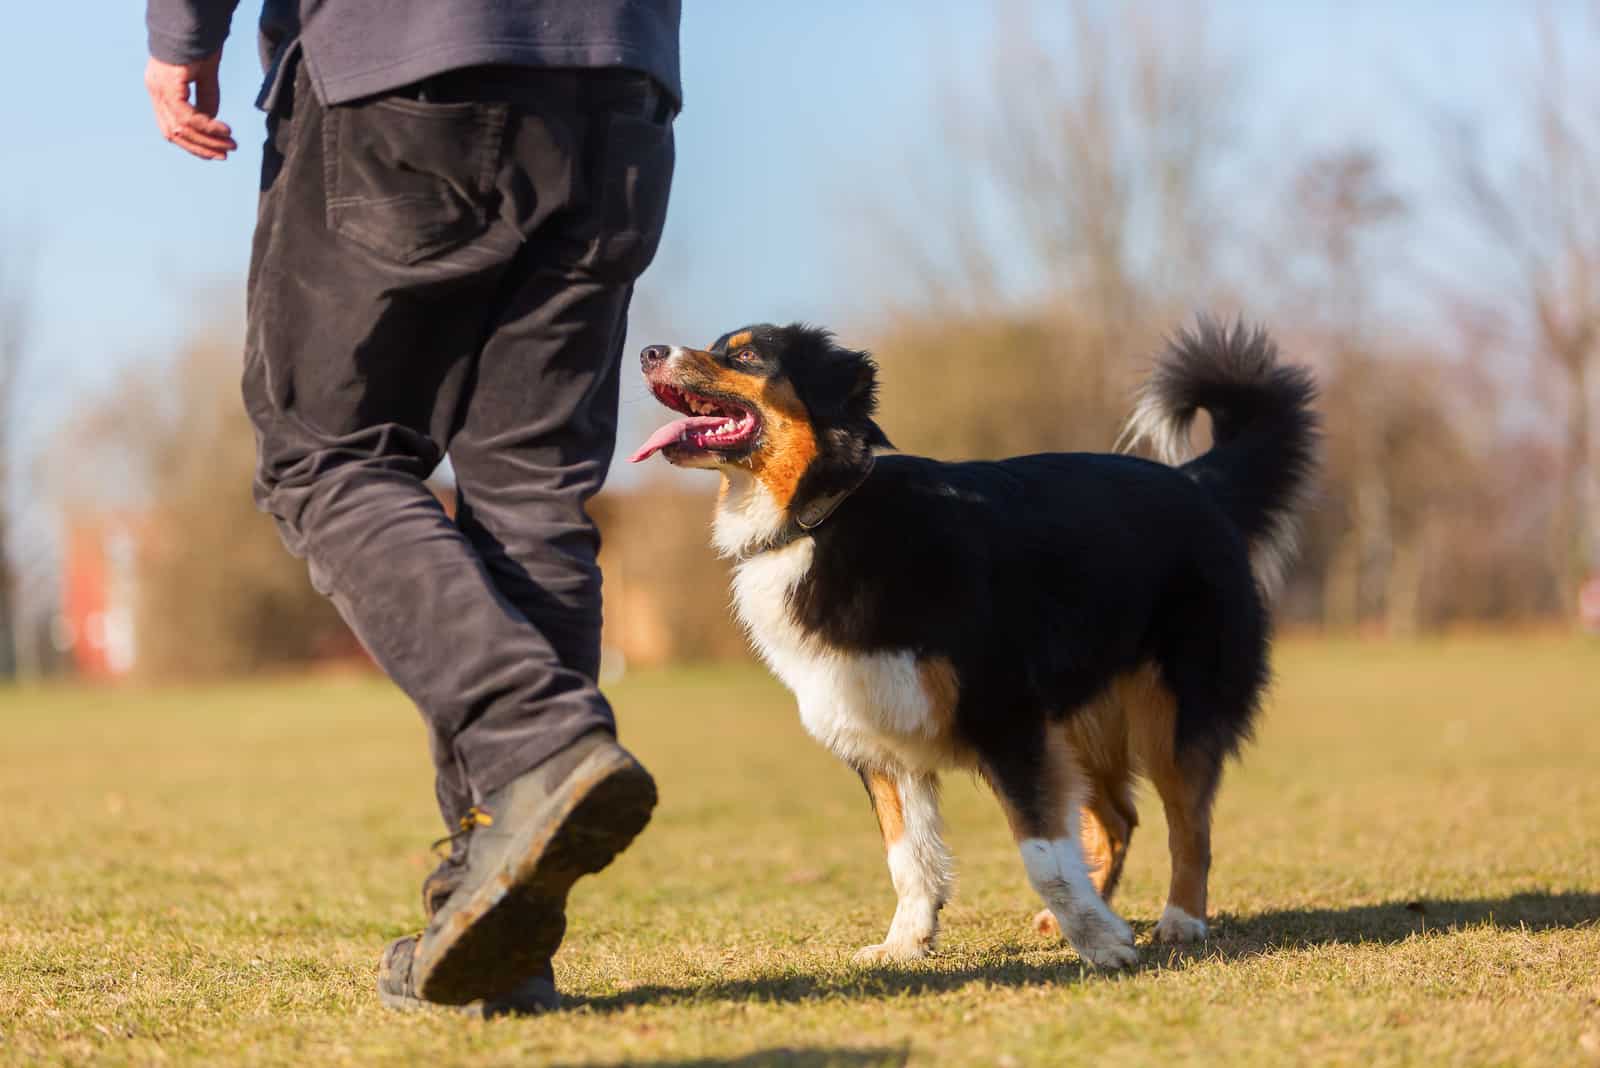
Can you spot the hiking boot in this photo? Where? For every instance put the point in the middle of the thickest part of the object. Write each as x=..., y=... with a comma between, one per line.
x=534, y=838
x=443, y=881
x=535, y=994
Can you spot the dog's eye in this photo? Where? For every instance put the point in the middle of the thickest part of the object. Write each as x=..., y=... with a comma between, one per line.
x=747, y=357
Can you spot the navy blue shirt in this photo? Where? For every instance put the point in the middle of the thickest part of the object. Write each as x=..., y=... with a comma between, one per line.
x=354, y=48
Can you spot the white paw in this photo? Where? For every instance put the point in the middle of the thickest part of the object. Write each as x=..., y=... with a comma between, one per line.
x=1177, y=927
x=1102, y=938
x=1044, y=922
x=890, y=952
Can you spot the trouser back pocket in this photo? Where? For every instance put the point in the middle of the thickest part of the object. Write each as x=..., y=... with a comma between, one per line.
x=409, y=179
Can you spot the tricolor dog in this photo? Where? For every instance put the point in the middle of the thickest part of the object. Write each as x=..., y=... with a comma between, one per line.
x=1057, y=623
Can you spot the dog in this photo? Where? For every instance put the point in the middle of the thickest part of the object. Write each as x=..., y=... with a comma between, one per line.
x=1056, y=623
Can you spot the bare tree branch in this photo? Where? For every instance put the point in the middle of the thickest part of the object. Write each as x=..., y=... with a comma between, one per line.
x=1541, y=212
x=15, y=307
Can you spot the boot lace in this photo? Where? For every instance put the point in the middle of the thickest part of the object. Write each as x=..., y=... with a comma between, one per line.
x=475, y=818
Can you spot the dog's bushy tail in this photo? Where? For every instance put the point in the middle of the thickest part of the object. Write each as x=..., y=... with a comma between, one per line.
x=1265, y=432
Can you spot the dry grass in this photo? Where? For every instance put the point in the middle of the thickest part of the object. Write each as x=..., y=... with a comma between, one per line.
x=1408, y=871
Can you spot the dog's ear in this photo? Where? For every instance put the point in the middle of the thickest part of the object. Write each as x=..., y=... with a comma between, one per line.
x=839, y=384
x=862, y=400
x=840, y=388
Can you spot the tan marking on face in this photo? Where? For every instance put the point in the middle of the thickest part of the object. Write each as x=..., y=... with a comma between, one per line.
x=789, y=445
x=699, y=364
x=886, y=804
x=739, y=340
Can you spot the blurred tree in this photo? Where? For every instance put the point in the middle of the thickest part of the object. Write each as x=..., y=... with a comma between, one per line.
x=217, y=593
x=1341, y=208
x=665, y=589
x=1070, y=219
x=1538, y=215
x=1073, y=214
x=15, y=296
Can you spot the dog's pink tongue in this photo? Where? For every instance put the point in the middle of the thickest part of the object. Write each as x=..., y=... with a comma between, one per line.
x=672, y=432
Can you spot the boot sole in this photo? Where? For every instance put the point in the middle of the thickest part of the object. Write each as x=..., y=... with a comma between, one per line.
x=521, y=1002
x=513, y=923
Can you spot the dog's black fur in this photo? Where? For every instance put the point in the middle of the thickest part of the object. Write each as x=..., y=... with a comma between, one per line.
x=1072, y=617
x=1043, y=577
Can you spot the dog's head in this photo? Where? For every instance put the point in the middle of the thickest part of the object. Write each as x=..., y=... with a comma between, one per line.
x=786, y=404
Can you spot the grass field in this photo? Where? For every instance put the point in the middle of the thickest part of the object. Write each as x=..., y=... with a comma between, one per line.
x=1407, y=872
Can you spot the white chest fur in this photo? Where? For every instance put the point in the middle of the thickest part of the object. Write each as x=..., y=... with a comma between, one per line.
x=868, y=708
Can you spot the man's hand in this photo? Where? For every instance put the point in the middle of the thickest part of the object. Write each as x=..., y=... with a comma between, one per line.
x=192, y=126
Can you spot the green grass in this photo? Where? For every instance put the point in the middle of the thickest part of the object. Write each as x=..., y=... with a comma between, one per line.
x=1407, y=872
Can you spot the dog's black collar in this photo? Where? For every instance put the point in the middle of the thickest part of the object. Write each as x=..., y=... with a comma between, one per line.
x=811, y=515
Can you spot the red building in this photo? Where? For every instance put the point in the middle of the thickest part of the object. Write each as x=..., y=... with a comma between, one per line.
x=99, y=593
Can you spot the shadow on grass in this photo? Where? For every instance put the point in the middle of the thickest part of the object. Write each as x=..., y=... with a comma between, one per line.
x=1397, y=921
x=1232, y=937
x=819, y=1057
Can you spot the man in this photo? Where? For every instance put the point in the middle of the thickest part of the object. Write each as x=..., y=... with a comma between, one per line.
x=456, y=200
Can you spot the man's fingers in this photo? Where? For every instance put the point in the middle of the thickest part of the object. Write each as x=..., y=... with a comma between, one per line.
x=199, y=123
x=192, y=127
x=179, y=120
x=208, y=135
x=197, y=150
x=182, y=139
x=208, y=94
x=191, y=140
x=186, y=136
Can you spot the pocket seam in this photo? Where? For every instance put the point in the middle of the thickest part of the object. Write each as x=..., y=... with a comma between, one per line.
x=433, y=110
x=492, y=118
x=398, y=198
x=489, y=120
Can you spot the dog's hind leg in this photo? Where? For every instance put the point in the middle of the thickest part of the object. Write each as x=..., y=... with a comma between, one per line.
x=1043, y=790
x=907, y=807
x=1187, y=788
x=1098, y=736
x=1187, y=782
x=1108, y=822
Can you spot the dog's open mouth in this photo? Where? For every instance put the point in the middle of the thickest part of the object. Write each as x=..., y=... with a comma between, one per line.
x=712, y=424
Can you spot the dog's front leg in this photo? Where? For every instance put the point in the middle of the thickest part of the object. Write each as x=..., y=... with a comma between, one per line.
x=907, y=807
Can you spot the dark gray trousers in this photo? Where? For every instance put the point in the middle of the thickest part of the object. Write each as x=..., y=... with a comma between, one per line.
x=446, y=269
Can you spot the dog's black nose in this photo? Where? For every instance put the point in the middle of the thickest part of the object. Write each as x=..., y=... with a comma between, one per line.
x=652, y=354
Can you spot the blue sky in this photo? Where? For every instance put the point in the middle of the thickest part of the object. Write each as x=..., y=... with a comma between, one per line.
x=793, y=110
